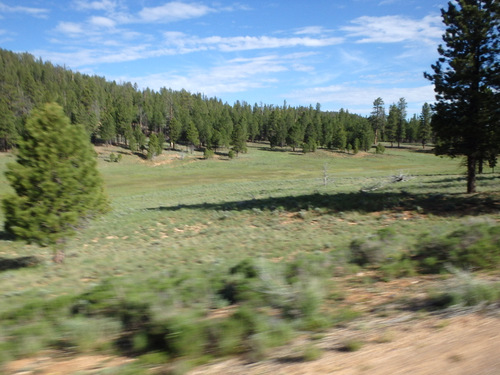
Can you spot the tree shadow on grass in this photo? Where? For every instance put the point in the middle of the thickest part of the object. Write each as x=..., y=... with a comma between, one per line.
x=7, y=264
x=436, y=204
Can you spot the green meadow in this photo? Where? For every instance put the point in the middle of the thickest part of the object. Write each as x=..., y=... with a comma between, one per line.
x=264, y=236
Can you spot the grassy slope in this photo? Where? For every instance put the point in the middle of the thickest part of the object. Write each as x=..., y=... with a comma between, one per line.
x=180, y=212
x=177, y=212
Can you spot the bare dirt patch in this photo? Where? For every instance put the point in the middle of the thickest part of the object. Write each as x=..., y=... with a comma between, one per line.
x=50, y=363
x=459, y=345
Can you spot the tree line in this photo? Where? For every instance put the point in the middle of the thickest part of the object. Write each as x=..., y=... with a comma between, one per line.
x=121, y=113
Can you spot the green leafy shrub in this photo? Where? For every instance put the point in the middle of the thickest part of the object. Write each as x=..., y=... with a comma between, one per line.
x=311, y=353
x=184, y=336
x=351, y=345
x=466, y=291
x=373, y=250
x=87, y=334
x=380, y=149
x=474, y=246
x=208, y=153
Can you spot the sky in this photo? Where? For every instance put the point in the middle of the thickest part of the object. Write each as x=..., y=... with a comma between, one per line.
x=339, y=53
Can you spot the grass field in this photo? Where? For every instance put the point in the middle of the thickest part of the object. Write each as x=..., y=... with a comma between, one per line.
x=179, y=223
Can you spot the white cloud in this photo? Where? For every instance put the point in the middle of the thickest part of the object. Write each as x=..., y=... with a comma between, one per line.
x=185, y=43
x=79, y=58
x=69, y=28
x=311, y=30
x=393, y=29
x=231, y=76
x=36, y=12
x=102, y=22
x=106, y=5
x=353, y=58
x=173, y=11
x=360, y=99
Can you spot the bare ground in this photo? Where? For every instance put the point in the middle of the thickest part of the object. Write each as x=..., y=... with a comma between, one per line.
x=459, y=345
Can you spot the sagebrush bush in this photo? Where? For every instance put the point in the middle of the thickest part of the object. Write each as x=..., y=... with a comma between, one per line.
x=464, y=289
x=373, y=250
x=471, y=246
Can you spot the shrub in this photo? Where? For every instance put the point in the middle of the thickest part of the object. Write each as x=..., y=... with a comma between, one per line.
x=373, y=250
x=115, y=158
x=184, y=336
x=351, y=345
x=466, y=291
x=208, y=154
x=380, y=149
x=86, y=334
x=468, y=247
x=231, y=154
x=311, y=353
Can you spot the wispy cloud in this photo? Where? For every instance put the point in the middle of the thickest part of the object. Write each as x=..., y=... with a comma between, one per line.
x=231, y=76
x=392, y=29
x=360, y=98
x=102, y=22
x=70, y=28
x=311, y=30
x=35, y=12
x=186, y=43
x=83, y=57
x=105, y=5
x=173, y=11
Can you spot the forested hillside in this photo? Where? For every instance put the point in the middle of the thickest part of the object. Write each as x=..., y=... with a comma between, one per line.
x=122, y=113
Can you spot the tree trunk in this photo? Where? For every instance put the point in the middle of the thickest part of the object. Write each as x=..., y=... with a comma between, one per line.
x=471, y=174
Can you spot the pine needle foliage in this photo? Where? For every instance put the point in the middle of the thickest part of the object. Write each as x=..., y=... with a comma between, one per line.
x=55, y=179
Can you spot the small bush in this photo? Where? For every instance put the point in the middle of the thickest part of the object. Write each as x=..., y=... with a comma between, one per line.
x=351, y=345
x=373, y=250
x=231, y=154
x=380, y=149
x=466, y=291
x=113, y=158
x=208, y=154
x=469, y=247
x=311, y=353
x=224, y=337
x=402, y=267
x=87, y=334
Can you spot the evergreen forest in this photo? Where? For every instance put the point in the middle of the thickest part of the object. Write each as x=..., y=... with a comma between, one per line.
x=121, y=113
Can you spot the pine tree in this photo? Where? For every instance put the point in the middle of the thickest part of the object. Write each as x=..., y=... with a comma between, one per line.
x=152, y=146
x=425, y=130
x=192, y=134
x=466, y=77
x=161, y=142
x=174, y=131
x=377, y=118
x=239, y=136
x=401, y=123
x=392, y=124
x=55, y=179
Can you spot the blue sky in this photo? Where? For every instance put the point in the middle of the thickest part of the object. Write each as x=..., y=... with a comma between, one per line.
x=342, y=54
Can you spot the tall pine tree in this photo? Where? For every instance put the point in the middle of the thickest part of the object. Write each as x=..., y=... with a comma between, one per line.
x=425, y=130
x=466, y=77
